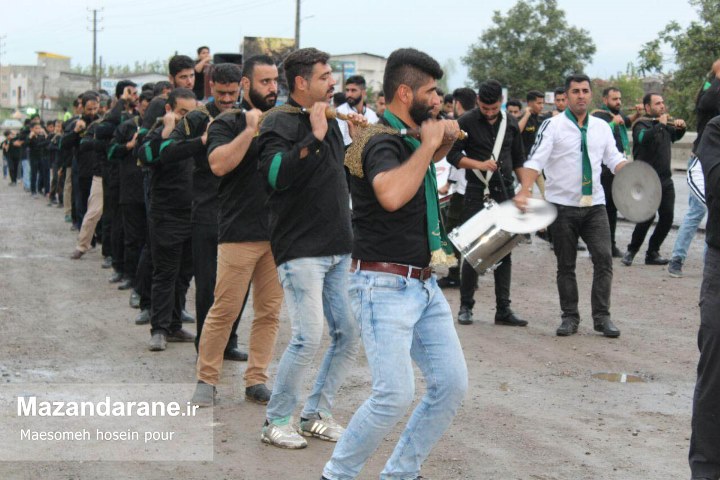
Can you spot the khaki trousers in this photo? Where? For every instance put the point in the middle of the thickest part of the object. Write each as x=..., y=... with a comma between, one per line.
x=237, y=265
x=92, y=216
x=67, y=192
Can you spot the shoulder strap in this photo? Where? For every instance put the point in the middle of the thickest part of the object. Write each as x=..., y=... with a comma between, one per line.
x=485, y=178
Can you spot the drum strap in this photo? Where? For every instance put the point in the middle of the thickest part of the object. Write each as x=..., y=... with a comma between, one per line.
x=485, y=177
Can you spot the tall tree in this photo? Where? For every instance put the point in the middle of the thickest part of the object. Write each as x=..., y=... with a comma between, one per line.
x=695, y=49
x=530, y=48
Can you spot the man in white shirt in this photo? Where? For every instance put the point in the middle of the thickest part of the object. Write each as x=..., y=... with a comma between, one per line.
x=571, y=149
x=355, y=102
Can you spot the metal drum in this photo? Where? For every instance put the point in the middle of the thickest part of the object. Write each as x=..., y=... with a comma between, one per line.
x=483, y=242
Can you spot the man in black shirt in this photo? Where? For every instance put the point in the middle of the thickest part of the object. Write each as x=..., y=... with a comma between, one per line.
x=301, y=156
x=529, y=124
x=170, y=227
x=619, y=123
x=705, y=440
x=203, y=60
x=475, y=155
x=403, y=314
x=244, y=253
x=653, y=137
x=37, y=142
x=12, y=151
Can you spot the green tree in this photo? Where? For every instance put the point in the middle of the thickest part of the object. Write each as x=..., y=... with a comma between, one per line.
x=694, y=49
x=531, y=48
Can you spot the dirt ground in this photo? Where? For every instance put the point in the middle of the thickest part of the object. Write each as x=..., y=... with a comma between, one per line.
x=533, y=410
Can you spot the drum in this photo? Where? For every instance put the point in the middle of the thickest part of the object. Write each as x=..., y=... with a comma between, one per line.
x=484, y=239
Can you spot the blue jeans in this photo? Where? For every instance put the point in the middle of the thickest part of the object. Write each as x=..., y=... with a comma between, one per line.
x=696, y=212
x=402, y=320
x=26, y=173
x=314, y=286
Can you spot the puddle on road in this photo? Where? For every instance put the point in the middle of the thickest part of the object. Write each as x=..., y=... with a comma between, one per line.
x=618, y=377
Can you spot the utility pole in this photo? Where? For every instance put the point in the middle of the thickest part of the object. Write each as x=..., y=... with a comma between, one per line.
x=2, y=52
x=42, y=97
x=95, y=31
x=297, y=24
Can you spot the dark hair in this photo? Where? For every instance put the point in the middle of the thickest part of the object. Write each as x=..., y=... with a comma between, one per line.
x=102, y=91
x=440, y=93
x=147, y=96
x=50, y=122
x=180, y=93
x=607, y=91
x=411, y=67
x=249, y=65
x=466, y=97
x=6, y=133
x=448, y=98
x=533, y=95
x=380, y=94
x=160, y=86
x=76, y=102
x=89, y=96
x=577, y=78
x=490, y=91
x=120, y=87
x=513, y=103
x=105, y=99
x=149, y=86
x=358, y=80
x=647, y=99
x=200, y=49
x=226, y=73
x=339, y=98
x=559, y=91
x=178, y=63
x=300, y=63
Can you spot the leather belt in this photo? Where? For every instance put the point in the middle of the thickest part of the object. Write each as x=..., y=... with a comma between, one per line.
x=394, y=268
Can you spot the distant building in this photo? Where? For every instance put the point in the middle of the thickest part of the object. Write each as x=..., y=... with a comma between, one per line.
x=369, y=65
x=139, y=79
x=21, y=86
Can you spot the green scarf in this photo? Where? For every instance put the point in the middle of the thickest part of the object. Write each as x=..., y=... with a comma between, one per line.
x=440, y=249
x=623, y=133
x=587, y=186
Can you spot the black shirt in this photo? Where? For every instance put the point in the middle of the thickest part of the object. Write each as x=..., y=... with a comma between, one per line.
x=37, y=145
x=82, y=145
x=708, y=107
x=130, y=173
x=708, y=153
x=479, y=146
x=652, y=143
x=379, y=235
x=199, y=87
x=608, y=117
x=528, y=134
x=309, y=201
x=243, y=215
x=186, y=144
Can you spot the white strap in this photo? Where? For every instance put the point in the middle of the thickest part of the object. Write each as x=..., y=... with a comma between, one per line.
x=485, y=178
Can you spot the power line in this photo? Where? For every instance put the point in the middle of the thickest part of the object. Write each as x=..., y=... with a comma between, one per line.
x=94, y=30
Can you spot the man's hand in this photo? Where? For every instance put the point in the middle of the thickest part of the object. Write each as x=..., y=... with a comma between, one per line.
x=639, y=108
x=618, y=120
x=452, y=129
x=252, y=120
x=169, y=120
x=679, y=123
x=432, y=133
x=318, y=120
x=488, y=166
x=354, y=123
x=131, y=144
x=663, y=118
x=521, y=200
x=620, y=166
x=716, y=68
x=79, y=126
x=444, y=189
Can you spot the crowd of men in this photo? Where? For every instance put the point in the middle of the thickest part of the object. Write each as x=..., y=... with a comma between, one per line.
x=235, y=193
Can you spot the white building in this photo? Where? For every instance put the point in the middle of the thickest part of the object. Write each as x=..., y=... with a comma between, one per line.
x=369, y=65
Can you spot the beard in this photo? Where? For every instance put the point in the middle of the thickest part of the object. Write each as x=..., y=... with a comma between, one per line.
x=353, y=101
x=419, y=112
x=262, y=103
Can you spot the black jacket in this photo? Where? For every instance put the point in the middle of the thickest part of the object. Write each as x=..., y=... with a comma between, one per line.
x=652, y=143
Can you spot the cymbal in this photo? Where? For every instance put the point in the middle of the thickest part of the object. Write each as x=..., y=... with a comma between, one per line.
x=538, y=215
x=637, y=191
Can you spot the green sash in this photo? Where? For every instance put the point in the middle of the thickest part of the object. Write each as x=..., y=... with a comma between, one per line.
x=623, y=133
x=587, y=186
x=440, y=249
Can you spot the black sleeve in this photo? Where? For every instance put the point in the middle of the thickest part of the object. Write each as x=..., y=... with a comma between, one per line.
x=456, y=152
x=710, y=98
x=708, y=152
x=185, y=140
x=224, y=130
x=380, y=156
x=517, y=150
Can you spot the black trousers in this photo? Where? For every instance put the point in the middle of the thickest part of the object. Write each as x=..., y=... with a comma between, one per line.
x=204, y=250
x=83, y=194
x=35, y=175
x=171, y=245
x=473, y=203
x=665, y=219
x=143, y=277
x=705, y=439
x=114, y=229
x=134, y=222
x=44, y=177
x=13, y=164
x=591, y=224
x=610, y=208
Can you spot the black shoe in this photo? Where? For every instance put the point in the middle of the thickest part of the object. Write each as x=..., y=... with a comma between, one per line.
x=116, y=277
x=628, y=258
x=185, y=317
x=465, y=317
x=107, y=262
x=235, y=354
x=134, y=299
x=608, y=328
x=143, y=318
x=616, y=253
x=258, y=393
x=675, y=267
x=507, y=317
x=127, y=284
x=654, y=258
x=542, y=235
x=569, y=326
x=449, y=282
x=180, y=336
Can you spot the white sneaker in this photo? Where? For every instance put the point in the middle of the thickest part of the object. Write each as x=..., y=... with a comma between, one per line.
x=282, y=433
x=324, y=428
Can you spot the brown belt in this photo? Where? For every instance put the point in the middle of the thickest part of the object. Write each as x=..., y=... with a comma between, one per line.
x=394, y=268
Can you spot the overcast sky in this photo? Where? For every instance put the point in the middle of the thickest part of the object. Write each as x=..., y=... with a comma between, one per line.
x=155, y=29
